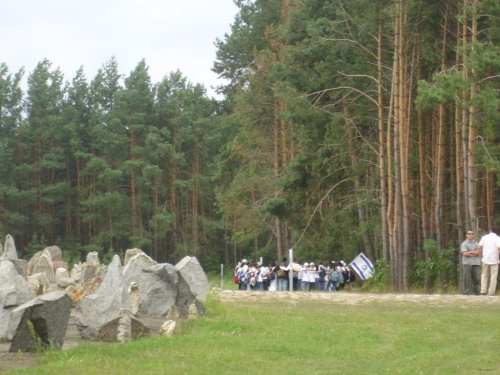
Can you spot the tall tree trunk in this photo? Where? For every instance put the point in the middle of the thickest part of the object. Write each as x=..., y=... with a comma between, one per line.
x=279, y=230
x=357, y=185
x=133, y=206
x=173, y=197
x=194, y=223
x=381, y=140
x=472, y=130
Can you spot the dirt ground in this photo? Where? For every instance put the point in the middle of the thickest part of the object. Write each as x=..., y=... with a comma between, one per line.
x=352, y=298
x=13, y=361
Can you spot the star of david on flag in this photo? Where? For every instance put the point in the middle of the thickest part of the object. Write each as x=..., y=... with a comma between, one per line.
x=363, y=267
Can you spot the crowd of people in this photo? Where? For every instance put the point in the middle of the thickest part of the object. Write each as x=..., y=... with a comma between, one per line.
x=333, y=276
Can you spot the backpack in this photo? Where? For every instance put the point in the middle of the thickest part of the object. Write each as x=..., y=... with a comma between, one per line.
x=322, y=273
x=253, y=281
x=347, y=277
x=281, y=274
x=352, y=277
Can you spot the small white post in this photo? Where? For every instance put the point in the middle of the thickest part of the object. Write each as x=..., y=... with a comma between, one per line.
x=221, y=276
x=290, y=272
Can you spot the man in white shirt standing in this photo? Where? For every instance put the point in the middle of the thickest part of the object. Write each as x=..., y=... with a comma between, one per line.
x=489, y=250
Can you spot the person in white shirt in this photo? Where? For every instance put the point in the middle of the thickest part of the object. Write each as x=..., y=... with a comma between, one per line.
x=489, y=250
x=262, y=276
x=305, y=277
x=241, y=275
x=271, y=275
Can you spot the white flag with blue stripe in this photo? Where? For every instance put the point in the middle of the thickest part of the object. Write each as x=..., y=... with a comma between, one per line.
x=363, y=267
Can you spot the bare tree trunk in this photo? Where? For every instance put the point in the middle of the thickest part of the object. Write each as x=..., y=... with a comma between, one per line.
x=279, y=230
x=357, y=185
x=133, y=206
x=381, y=140
x=194, y=218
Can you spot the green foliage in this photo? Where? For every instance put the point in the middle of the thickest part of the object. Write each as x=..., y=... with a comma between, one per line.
x=437, y=263
x=39, y=347
x=381, y=280
x=120, y=161
x=37, y=243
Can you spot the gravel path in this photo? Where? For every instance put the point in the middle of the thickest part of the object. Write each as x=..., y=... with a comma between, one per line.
x=359, y=298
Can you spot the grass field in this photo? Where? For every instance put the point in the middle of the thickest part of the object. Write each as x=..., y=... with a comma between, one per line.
x=275, y=336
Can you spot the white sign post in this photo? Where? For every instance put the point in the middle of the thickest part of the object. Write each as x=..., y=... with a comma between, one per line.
x=222, y=276
x=290, y=272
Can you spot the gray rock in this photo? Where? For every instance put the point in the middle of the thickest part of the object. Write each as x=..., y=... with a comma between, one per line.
x=55, y=253
x=124, y=326
x=132, y=272
x=185, y=298
x=48, y=315
x=76, y=272
x=129, y=254
x=61, y=272
x=14, y=292
x=173, y=313
x=158, y=289
x=38, y=283
x=97, y=310
x=136, y=264
x=9, y=251
x=192, y=273
x=64, y=282
x=110, y=330
x=93, y=258
x=168, y=328
x=89, y=272
x=45, y=265
x=60, y=264
x=21, y=266
x=32, y=262
x=193, y=312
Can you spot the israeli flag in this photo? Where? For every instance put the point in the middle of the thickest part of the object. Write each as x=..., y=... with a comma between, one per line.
x=363, y=266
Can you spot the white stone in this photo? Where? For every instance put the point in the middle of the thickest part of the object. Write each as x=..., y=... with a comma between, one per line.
x=9, y=251
x=168, y=328
x=61, y=272
x=93, y=258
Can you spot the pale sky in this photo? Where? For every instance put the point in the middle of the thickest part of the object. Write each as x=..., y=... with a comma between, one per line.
x=168, y=34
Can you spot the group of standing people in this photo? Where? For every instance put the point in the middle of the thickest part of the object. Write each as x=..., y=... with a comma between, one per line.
x=306, y=277
x=484, y=255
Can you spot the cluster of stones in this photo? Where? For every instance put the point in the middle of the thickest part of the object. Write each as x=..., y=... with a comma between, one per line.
x=36, y=297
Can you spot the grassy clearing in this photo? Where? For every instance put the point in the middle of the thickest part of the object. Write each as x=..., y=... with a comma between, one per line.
x=306, y=337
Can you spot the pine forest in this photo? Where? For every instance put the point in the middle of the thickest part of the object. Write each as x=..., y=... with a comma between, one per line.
x=342, y=127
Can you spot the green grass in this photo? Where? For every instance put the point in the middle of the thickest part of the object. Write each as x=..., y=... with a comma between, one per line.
x=305, y=337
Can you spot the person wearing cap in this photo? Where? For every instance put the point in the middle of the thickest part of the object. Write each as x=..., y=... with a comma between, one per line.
x=242, y=275
x=252, y=277
x=470, y=264
x=313, y=274
x=336, y=278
